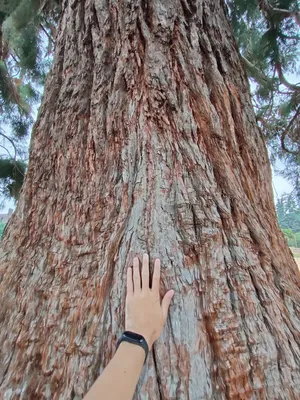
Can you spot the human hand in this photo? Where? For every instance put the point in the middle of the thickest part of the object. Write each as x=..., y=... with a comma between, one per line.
x=145, y=314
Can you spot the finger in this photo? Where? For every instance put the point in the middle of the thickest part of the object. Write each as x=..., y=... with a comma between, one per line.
x=156, y=276
x=136, y=275
x=166, y=303
x=129, y=282
x=145, y=272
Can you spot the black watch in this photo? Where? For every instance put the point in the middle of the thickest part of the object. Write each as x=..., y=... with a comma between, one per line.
x=134, y=338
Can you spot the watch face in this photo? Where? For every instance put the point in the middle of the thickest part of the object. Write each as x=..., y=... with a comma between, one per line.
x=134, y=336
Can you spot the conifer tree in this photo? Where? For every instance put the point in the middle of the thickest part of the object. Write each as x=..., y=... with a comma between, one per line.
x=26, y=43
x=268, y=36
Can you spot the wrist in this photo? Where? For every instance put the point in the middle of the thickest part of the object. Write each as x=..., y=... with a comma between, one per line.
x=130, y=354
x=149, y=341
x=132, y=348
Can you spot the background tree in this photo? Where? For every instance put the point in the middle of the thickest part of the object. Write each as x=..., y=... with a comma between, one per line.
x=288, y=212
x=297, y=236
x=290, y=237
x=12, y=174
x=152, y=145
x=27, y=28
x=268, y=35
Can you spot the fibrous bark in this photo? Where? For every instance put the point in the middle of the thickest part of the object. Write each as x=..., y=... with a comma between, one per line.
x=146, y=140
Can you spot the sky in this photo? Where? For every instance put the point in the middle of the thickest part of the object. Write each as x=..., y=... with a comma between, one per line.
x=280, y=185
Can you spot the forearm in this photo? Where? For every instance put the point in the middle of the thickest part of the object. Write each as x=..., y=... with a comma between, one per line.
x=145, y=318
x=119, y=379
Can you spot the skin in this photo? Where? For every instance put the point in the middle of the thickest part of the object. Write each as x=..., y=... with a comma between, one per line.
x=145, y=315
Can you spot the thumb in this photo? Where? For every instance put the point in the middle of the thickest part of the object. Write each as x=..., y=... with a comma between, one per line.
x=166, y=303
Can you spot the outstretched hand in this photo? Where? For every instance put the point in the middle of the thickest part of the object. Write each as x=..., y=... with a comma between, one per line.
x=145, y=314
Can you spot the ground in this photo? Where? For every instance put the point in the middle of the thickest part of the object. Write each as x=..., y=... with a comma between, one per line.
x=296, y=254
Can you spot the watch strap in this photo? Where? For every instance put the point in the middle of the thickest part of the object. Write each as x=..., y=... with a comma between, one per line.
x=134, y=338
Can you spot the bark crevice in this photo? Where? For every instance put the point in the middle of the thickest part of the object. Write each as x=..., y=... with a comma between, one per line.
x=161, y=397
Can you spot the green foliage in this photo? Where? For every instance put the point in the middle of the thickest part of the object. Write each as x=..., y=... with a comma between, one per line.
x=297, y=237
x=288, y=212
x=290, y=237
x=20, y=126
x=2, y=226
x=26, y=44
x=269, y=42
x=288, y=233
x=12, y=175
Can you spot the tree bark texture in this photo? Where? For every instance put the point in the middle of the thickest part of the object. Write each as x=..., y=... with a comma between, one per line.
x=146, y=140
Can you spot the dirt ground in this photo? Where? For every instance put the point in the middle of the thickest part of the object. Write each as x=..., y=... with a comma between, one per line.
x=296, y=253
x=298, y=261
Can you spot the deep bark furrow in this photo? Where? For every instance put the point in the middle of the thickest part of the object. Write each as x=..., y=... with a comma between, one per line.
x=9, y=361
x=157, y=374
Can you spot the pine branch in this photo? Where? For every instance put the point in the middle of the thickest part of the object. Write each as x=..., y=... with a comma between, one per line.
x=8, y=152
x=256, y=73
x=285, y=132
x=283, y=79
x=50, y=26
x=11, y=142
x=47, y=34
x=265, y=6
x=14, y=159
x=13, y=93
x=269, y=127
x=14, y=57
x=292, y=37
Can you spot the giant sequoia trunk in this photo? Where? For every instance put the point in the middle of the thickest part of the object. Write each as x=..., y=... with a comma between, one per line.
x=146, y=141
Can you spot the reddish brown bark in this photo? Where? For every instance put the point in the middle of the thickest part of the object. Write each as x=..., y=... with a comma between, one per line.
x=146, y=141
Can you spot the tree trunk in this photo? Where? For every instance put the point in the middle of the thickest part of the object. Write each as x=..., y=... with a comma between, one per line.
x=146, y=140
